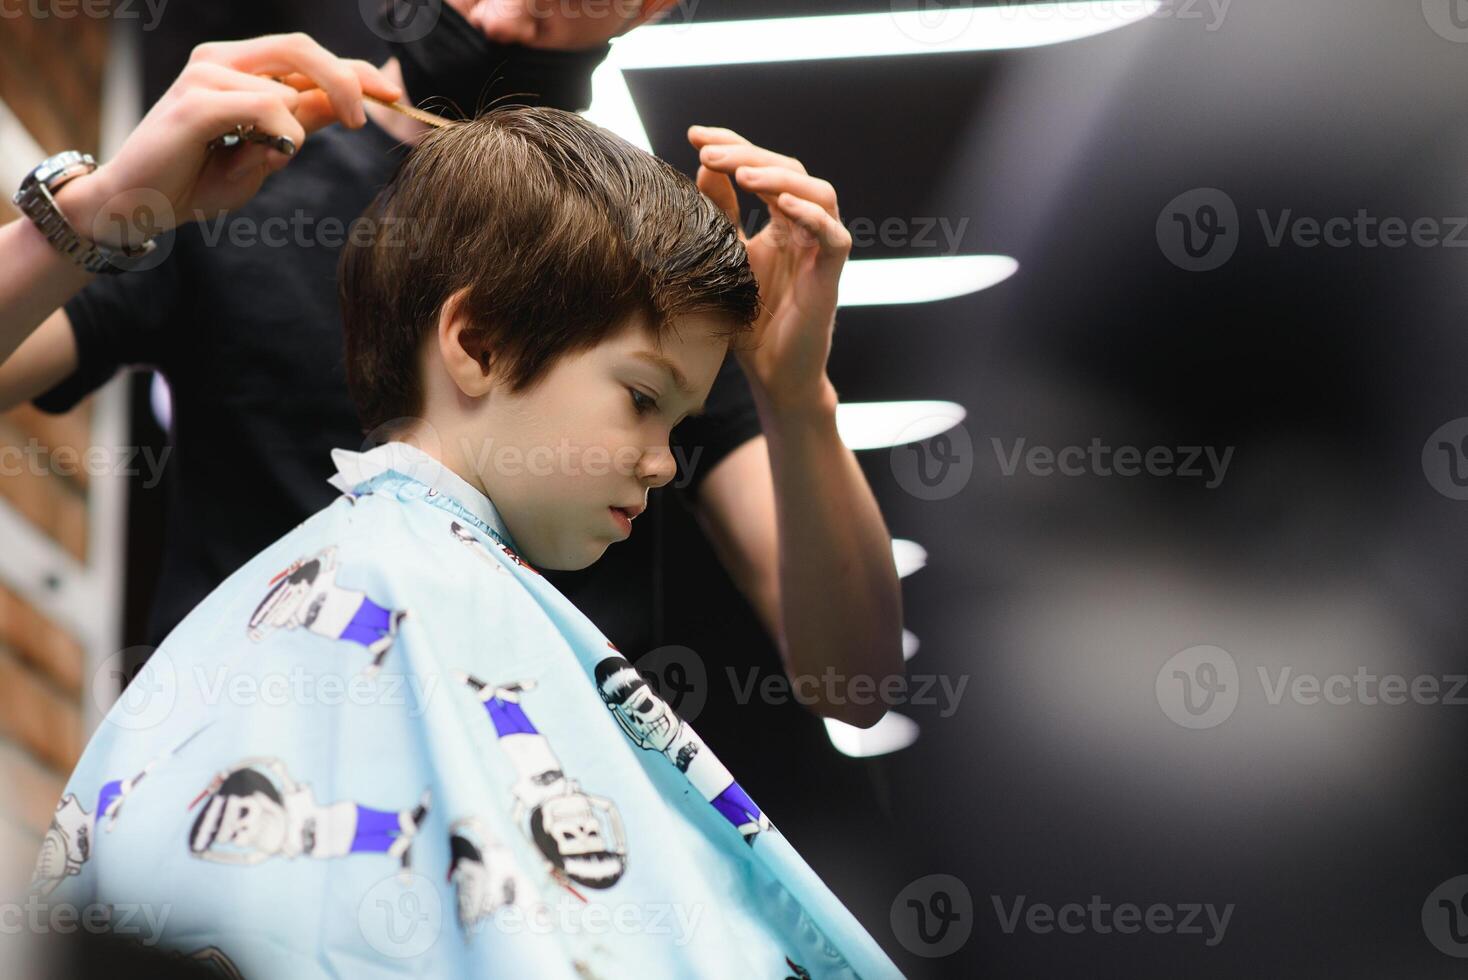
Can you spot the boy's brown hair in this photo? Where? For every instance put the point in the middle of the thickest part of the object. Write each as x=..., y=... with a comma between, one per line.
x=560, y=230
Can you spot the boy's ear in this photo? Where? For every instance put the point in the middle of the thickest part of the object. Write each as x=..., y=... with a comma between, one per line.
x=463, y=347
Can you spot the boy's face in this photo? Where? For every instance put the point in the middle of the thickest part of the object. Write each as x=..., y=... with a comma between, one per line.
x=591, y=436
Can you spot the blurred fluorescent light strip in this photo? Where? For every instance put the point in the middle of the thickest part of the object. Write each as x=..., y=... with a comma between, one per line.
x=612, y=106
x=947, y=31
x=916, y=32
x=891, y=733
x=881, y=425
x=160, y=396
x=880, y=282
x=909, y=644
x=909, y=556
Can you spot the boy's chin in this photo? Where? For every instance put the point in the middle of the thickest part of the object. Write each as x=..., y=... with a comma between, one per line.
x=562, y=562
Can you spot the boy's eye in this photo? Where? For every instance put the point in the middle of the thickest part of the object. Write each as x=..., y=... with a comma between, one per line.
x=643, y=406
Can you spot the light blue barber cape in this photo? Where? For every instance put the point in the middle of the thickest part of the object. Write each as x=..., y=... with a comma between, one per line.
x=387, y=747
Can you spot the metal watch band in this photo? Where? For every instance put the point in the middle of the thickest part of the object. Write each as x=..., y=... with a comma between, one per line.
x=36, y=201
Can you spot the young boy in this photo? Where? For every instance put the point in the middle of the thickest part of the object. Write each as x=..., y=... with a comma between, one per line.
x=387, y=746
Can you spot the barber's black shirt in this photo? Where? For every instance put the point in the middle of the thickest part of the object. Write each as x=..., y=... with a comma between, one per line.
x=243, y=321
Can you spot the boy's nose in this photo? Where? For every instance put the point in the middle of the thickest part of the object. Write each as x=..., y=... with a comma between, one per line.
x=657, y=467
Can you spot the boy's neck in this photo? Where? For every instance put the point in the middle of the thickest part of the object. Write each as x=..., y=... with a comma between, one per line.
x=427, y=439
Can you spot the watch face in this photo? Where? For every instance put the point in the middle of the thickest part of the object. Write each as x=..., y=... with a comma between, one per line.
x=35, y=200
x=56, y=170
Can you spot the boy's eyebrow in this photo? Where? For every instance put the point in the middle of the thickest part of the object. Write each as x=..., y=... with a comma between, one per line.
x=681, y=381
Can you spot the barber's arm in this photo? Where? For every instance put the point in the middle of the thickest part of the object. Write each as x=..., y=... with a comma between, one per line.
x=166, y=172
x=790, y=513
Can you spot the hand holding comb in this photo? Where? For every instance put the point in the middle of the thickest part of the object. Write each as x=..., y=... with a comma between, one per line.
x=249, y=134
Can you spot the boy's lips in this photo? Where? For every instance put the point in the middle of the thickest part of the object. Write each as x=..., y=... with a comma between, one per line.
x=622, y=519
x=631, y=511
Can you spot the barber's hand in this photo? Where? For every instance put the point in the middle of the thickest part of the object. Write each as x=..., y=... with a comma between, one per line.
x=165, y=174
x=797, y=258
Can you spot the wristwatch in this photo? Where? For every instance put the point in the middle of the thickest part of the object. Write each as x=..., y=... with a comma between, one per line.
x=35, y=200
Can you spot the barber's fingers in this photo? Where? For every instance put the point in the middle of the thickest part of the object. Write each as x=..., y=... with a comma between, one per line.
x=368, y=74
x=209, y=74
x=719, y=188
x=701, y=136
x=287, y=54
x=215, y=112
x=828, y=234
x=769, y=182
x=724, y=149
x=310, y=105
x=730, y=156
x=250, y=159
x=315, y=111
